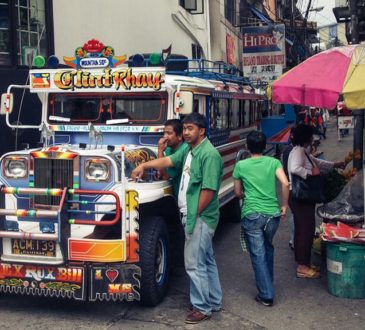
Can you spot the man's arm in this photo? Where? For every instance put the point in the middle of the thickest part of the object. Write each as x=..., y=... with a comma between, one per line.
x=157, y=164
x=238, y=191
x=280, y=174
x=205, y=198
x=161, y=147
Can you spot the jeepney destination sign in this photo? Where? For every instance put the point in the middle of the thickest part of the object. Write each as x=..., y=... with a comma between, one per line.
x=90, y=80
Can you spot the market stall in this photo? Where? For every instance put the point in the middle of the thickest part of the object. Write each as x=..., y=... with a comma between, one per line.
x=320, y=81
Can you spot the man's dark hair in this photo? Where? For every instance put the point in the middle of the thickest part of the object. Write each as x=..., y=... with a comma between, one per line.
x=302, y=135
x=196, y=119
x=256, y=142
x=176, y=125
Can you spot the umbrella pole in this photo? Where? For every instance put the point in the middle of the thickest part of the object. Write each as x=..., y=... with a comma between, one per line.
x=358, y=137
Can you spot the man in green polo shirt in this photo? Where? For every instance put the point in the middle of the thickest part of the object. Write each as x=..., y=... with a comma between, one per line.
x=202, y=169
x=170, y=143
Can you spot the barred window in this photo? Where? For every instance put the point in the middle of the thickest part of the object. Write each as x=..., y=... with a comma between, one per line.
x=24, y=31
x=229, y=10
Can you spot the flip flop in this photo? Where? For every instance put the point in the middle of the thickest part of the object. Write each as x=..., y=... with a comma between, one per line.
x=311, y=273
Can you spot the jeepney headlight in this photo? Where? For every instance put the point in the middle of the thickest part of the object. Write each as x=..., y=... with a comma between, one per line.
x=97, y=169
x=15, y=167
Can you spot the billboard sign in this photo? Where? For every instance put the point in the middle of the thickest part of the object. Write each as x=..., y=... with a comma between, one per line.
x=263, y=53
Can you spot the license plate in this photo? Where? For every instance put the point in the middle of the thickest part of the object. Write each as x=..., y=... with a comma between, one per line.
x=33, y=247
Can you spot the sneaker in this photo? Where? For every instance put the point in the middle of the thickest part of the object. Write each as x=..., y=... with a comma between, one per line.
x=265, y=302
x=196, y=317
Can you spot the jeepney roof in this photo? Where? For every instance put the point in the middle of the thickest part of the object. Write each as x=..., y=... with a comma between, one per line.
x=188, y=81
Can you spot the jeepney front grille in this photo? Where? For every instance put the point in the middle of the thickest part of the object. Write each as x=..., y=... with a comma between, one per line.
x=52, y=173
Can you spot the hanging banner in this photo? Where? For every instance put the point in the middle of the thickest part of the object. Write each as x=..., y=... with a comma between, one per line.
x=263, y=53
x=231, y=49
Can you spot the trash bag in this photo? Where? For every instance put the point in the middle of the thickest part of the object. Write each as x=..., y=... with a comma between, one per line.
x=348, y=206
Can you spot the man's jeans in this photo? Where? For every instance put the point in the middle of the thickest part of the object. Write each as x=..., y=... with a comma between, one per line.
x=259, y=232
x=200, y=265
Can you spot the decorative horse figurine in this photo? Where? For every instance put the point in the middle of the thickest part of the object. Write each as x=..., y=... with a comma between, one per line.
x=46, y=135
x=94, y=135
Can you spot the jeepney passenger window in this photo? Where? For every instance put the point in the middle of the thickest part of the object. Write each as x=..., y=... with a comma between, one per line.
x=196, y=105
x=253, y=112
x=213, y=107
x=221, y=112
x=247, y=113
x=242, y=113
x=235, y=114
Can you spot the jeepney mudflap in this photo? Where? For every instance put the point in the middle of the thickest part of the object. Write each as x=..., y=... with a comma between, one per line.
x=114, y=282
x=68, y=281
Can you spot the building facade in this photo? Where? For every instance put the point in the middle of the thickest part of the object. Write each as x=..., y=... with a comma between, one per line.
x=194, y=28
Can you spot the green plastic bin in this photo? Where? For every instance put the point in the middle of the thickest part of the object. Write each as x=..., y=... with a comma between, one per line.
x=346, y=270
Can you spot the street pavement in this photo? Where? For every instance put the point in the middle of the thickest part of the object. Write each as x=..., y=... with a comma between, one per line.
x=300, y=303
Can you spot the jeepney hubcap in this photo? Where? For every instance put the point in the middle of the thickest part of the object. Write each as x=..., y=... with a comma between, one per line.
x=160, y=264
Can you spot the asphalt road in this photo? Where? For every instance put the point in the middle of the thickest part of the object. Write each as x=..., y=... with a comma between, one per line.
x=300, y=303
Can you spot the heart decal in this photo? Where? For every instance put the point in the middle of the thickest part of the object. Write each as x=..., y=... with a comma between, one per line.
x=111, y=274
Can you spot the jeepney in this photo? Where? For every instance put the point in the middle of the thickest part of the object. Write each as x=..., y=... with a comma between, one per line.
x=73, y=224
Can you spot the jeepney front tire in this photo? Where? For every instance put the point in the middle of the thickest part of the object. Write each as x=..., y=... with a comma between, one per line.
x=154, y=260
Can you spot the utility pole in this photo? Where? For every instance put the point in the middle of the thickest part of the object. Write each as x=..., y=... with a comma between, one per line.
x=292, y=22
x=358, y=114
x=305, y=27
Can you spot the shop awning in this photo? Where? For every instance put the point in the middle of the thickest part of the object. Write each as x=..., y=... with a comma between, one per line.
x=281, y=137
x=261, y=16
x=267, y=20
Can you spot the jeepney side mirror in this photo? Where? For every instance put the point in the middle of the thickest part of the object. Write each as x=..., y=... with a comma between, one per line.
x=6, y=103
x=184, y=102
x=242, y=154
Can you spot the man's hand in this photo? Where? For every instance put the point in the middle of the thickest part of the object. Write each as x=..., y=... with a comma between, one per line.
x=162, y=144
x=283, y=210
x=138, y=172
x=316, y=171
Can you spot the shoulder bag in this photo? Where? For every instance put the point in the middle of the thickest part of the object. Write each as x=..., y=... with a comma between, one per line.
x=310, y=189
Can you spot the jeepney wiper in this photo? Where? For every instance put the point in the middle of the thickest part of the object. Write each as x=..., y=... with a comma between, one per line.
x=58, y=118
x=117, y=121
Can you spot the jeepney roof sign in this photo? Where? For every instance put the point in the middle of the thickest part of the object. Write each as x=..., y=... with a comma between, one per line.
x=94, y=54
x=96, y=80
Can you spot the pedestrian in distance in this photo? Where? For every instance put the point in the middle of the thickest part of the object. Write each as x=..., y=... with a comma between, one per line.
x=202, y=169
x=171, y=142
x=303, y=164
x=261, y=213
x=326, y=119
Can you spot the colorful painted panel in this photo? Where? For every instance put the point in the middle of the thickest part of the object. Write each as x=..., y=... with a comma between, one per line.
x=96, y=250
x=115, y=282
x=65, y=282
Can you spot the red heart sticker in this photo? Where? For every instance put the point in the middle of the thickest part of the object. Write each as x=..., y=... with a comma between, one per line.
x=111, y=274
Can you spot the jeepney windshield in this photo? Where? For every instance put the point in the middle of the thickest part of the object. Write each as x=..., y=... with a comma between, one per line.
x=136, y=109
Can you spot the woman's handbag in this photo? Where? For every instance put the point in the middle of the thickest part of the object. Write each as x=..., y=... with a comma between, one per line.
x=310, y=189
